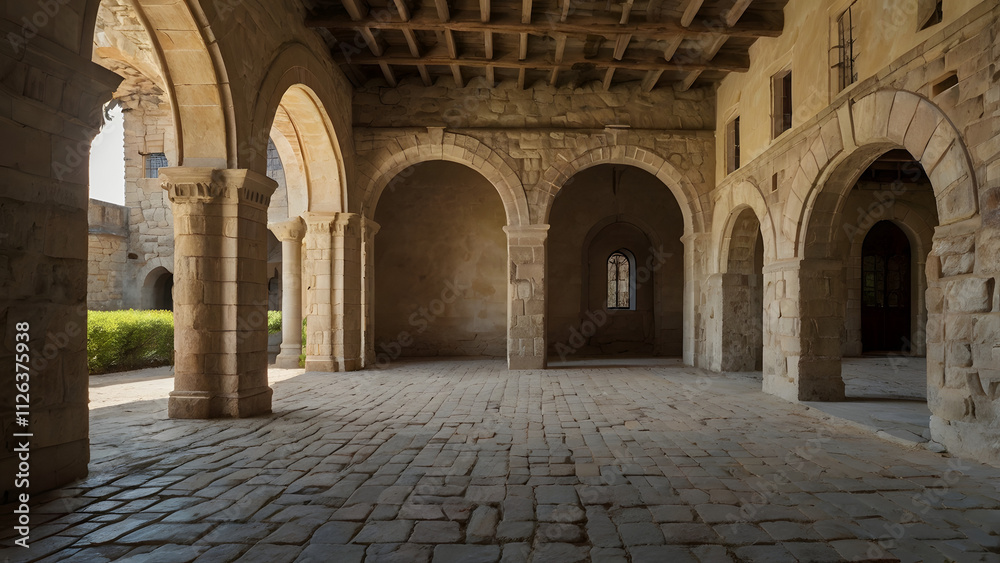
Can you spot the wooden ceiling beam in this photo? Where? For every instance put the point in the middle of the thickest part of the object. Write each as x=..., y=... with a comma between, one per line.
x=650, y=80
x=526, y=11
x=390, y=77
x=402, y=9
x=592, y=25
x=456, y=72
x=609, y=76
x=424, y=75
x=357, y=9
x=690, y=11
x=621, y=44
x=449, y=41
x=736, y=12
x=672, y=47
x=512, y=60
x=484, y=10
x=560, y=53
x=444, y=14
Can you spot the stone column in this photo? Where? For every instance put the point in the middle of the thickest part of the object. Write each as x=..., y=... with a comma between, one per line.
x=220, y=292
x=369, y=229
x=333, y=291
x=804, y=316
x=526, y=338
x=696, y=252
x=51, y=112
x=290, y=234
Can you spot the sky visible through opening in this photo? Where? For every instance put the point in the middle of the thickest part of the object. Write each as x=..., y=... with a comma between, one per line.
x=107, y=161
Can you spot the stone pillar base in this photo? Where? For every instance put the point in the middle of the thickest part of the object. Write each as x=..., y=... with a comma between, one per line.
x=333, y=364
x=288, y=359
x=203, y=405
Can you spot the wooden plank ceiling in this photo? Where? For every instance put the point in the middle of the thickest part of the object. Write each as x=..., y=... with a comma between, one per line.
x=657, y=43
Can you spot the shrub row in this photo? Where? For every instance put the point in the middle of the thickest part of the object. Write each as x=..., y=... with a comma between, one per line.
x=127, y=340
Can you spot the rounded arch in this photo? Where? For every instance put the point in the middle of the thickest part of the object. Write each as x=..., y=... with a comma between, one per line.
x=196, y=82
x=157, y=287
x=733, y=200
x=452, y=148
x=557, y=177
x=882, y=121
x=292, y=103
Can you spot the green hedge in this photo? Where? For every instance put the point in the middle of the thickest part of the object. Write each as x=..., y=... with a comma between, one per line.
x=126, y=340
x=273, y=322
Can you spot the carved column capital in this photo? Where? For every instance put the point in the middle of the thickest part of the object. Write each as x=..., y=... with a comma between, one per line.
x=211, y=185
x=292, y=230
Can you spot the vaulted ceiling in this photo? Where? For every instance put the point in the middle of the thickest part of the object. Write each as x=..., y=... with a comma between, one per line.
x=659, y=43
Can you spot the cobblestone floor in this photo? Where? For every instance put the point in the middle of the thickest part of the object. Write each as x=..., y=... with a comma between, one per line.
x=463, y=461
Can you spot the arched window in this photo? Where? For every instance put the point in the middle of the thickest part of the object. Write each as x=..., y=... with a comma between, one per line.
x=620, y=282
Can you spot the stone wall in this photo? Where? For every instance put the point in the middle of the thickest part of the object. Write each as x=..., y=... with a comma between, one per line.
x=802, y=194
x=106, y=255
x=440, y=265
x=50, y=116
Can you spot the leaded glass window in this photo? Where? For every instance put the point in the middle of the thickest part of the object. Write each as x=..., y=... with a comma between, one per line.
x=619, y=281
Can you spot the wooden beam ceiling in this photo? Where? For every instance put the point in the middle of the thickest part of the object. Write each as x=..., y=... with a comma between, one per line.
x=568, y=40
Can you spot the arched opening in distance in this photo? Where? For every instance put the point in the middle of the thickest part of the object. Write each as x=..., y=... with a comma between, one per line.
x=599, y=211
x=440, y=265
x=157, y=290
x=742, y=339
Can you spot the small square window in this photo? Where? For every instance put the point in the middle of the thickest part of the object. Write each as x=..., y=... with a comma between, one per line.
x=155, y=161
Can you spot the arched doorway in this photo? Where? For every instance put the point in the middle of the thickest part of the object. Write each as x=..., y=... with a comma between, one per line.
x=602, y=210
x=440, y=263
x=157, y=290
x=885, y=290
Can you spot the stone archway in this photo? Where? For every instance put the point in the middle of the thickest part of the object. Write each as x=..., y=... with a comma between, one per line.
x=196, y=83
x=294, y=108
x=556, y=177
x=737, y=297
x=385, y=167
x=881, y=122
x=888, y=119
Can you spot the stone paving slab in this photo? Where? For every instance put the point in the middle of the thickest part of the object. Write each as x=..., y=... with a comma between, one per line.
x=465, y=461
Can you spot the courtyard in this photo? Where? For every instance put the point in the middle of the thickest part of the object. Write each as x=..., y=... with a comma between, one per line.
x=464, y=461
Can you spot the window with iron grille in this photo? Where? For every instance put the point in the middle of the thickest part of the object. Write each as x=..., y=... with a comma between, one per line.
x=847, y=74
x=619, y=281
x=155, y=161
